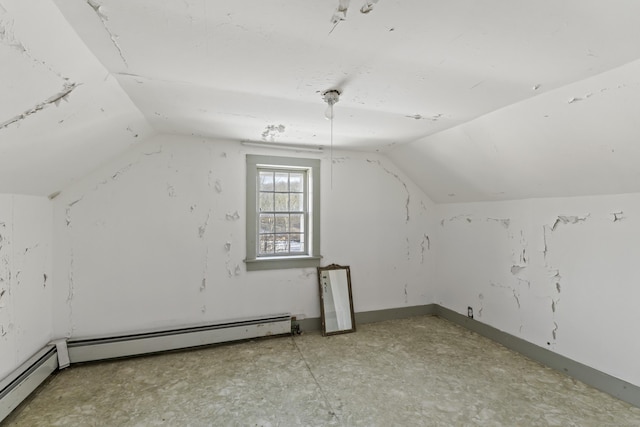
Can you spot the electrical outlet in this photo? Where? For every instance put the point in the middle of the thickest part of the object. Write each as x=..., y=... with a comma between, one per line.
x=470, y=312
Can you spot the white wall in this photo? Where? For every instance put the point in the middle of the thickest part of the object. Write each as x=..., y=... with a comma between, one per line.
x=156, y=239
x=560, y=273
x=25, y=278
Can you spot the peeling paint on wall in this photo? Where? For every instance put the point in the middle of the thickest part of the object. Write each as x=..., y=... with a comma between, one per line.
x=425, y=245
x=171, y=191
x=421, y=117
x=404, y=184
x=232, y=216
x=617, y=216
x=98, y=9
x=503, y=222
x=55, y=99
x=203, y=228
x=368, y=6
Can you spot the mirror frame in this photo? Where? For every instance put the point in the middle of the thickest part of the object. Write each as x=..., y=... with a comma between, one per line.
x=322, y=311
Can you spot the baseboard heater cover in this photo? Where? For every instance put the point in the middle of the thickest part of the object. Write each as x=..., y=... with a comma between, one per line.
x=18, y=385
x=86, y=350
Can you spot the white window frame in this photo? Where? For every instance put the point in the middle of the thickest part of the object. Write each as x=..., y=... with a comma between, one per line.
x=312, y=257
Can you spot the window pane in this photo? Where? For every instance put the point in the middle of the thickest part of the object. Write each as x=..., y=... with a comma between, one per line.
x=282, y=181
x=282, y=223
x=296, y=243
x=296, y=182
x=282, y=202
x=266, y=181
x=266, y=202
x=266, y=244
x=267, y=223
x=296, y=202
x=282, y=243
x=296, y=223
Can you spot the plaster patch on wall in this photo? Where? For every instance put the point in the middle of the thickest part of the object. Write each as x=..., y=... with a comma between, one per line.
x=617, y=216
x=404, y=184
x=70, y=294
x=425, y=245
x=272, y=131
x=504, y=222
x=54, y=99
x=421, y=117
x=340, y=13
x=171, y=191
x=516, y=297
x=517, y=269
x=98, y=9
x=232, y=216
x=218, y=186
x=203, y=228
x=560, y=219
x=368, y=6
x=564, y=219
x=68, y=211
x=578, y=99
x=135, y=135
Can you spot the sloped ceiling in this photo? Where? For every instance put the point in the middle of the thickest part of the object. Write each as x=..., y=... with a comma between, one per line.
x=474, y=100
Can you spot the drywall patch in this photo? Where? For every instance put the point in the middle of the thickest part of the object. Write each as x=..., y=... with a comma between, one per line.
x=54, y=99
x=99, y=10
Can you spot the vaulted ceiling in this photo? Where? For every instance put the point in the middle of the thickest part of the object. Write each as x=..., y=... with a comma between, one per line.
x=474, y=100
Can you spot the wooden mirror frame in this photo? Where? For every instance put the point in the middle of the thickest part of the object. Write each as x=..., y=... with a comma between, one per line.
x=323, y=276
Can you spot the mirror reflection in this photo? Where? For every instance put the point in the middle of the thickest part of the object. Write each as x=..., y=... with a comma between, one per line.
x=336, y=302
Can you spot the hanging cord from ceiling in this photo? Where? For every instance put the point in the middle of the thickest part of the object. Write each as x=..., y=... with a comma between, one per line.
x=331, y=97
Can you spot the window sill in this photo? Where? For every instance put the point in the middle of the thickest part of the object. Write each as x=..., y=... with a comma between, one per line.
x=278, y=263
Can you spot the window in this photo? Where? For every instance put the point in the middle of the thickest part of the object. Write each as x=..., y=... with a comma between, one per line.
x=283, y=212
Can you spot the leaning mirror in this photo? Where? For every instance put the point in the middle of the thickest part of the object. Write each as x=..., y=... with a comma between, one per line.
x=336, y=301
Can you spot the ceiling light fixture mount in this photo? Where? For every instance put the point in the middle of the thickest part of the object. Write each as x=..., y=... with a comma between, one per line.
x=330, y=96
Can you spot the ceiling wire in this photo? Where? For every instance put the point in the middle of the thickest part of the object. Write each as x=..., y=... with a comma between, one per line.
x=331, y=147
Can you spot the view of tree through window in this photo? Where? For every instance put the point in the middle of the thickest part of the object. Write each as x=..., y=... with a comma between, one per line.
x=282, y=212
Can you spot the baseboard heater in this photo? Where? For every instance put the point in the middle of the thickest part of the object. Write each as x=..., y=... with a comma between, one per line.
x=23, y=381
x=87, y=350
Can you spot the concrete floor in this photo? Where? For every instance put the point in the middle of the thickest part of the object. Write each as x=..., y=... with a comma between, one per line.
x=422, y=371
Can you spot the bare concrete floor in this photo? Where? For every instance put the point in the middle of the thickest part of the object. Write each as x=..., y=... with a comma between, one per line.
x=422, y=371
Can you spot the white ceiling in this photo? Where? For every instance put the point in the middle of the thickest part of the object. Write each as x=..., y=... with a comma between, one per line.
x=474, y=100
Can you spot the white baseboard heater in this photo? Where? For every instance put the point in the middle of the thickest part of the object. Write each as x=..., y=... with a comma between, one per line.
x=25, y=379
x=87, y=350
x=18, y=385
